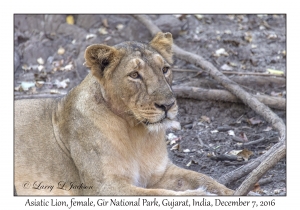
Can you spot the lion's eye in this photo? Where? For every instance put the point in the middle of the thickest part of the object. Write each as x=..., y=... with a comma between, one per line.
x=165, y=69
x=134, y=75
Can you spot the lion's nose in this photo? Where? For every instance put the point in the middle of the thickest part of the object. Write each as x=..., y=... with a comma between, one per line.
x=164, y=107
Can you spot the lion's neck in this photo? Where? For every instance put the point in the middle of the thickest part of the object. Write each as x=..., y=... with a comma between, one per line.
x=90, y=95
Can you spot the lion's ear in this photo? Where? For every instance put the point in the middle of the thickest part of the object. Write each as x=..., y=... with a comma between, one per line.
x=162, y=43
x=100, y=58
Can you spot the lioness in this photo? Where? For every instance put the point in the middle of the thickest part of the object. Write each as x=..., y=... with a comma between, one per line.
x=107, y=135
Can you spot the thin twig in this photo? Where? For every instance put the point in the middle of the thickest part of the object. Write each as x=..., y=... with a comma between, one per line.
x=254, y=142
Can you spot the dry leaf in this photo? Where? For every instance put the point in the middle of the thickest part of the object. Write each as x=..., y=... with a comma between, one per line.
x=107, y=38
x=256, y=188
x=234, y=152
x=40, y=61
x=40, y=67
x=232, y=64
x=262, y=15
x=105, y=23
x=245, y=154
x=173, y=141
x=275, y=72
x=254, y=121
x=39, y=84
x=268, y=128
x=231, y=133
x=262, y=27
x=62, y=84
x=205, y=119
x=231, y=17
x=248, y=37
x=18, y=88
x=57, y=65
x=70, y=19
x=239, y=144
x=277, y=191
x=227, y=31
x=120, y=27
x=272, y=36
x=190, y=163
x=220, y=52
x=226, y=67
x=175, y=147
x=280, y=94
x=25, y=67
x=53, y=91
x=102, y=30
x=214, y=131
x=199, y=17
x=243, y=136
x=210, y=154
x=26, y=85
x=266, y=24
x=68, y=67
x=181, y=17
x=60, y=51
x=90, y=36
x=172, y=136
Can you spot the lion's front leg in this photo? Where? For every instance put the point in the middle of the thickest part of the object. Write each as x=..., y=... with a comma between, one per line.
x=179, y=179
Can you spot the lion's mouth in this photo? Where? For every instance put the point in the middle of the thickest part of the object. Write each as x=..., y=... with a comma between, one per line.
x=146, y=122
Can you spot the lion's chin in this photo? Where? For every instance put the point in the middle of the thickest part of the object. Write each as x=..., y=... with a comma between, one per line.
x=164, y=124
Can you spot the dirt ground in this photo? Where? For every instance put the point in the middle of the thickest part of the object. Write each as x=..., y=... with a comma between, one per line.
x=48, y=61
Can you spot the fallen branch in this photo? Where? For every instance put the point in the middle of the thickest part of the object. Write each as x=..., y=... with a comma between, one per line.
x=254, y=142
x=223, y=95
x=248, y=81
x=230, y=72
x=34, y=96
x=261, y=169
x=226, y=157
x=237, y=139
x=234, y=163
x=265, y=180
x=266, y=161
x=246, y=169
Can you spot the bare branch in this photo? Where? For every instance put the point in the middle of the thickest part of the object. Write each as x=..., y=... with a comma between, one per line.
x=230, y=72
x=223, y=95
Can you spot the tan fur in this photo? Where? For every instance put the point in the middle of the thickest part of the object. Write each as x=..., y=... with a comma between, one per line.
x=108, y=133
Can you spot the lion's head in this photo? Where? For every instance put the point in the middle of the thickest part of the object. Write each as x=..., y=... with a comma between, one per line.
x=136, y=80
